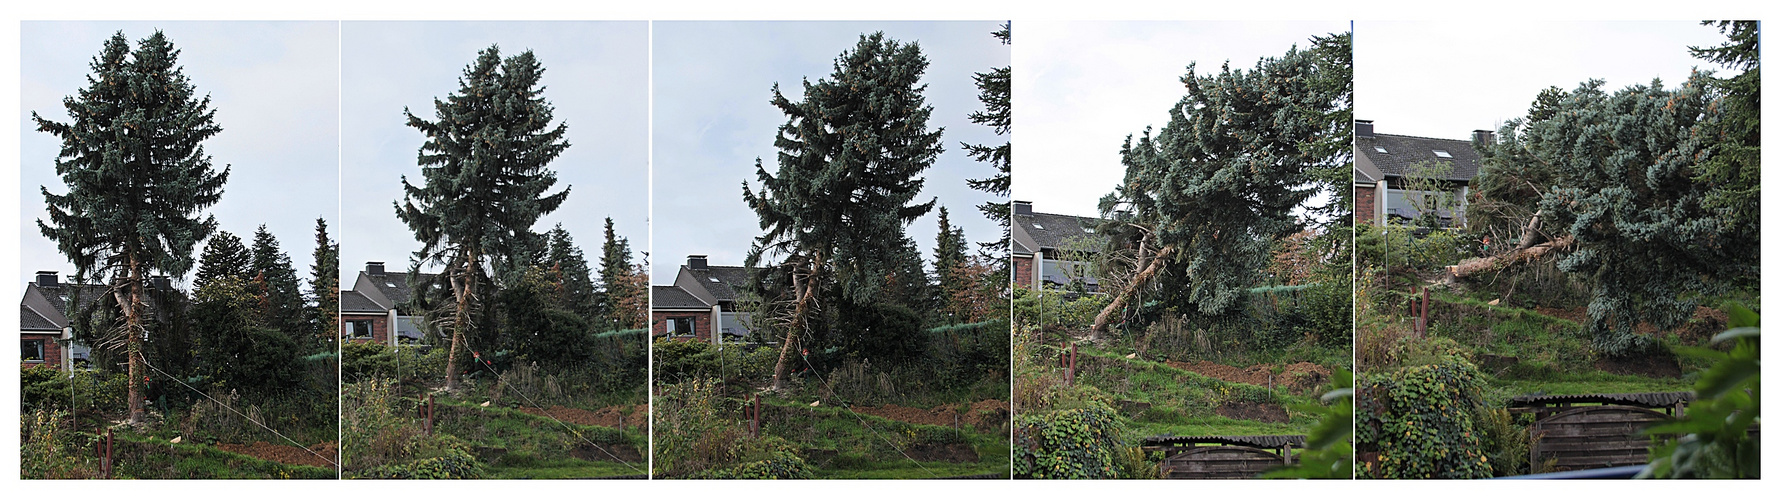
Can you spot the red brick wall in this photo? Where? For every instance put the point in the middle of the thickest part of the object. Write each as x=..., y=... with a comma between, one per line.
x=380, y=327
x=1023, y=272
x=52, y=352
x=1364, y=204
x=658, y=322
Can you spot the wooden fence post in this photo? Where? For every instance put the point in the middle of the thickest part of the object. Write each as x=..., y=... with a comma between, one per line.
x=756, y=428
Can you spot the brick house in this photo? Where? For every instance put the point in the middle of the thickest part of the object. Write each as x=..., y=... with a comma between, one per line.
x=1383, y=161
x=1046, y=248
x=701, y=304
x=46, y=333
x=377, y=301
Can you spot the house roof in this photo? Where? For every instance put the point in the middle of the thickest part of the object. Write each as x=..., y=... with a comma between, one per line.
x=1054, y=230
x=673, y=297
x=1401, y=152
x=353, y=301
x=31, y=321
x=388, y=290
x=719, y=281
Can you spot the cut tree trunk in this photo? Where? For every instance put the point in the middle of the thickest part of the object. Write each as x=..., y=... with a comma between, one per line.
x=1471, y=267
x=466, y=290
x=132, y=304
x=806, y=295
x=1138, y=281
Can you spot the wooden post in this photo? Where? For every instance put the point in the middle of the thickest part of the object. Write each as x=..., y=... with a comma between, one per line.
x=756, y=429
x=1424, y=323
x=106, y=465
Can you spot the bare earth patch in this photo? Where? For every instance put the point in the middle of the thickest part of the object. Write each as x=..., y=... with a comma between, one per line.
x=1260, y=412
x=608, y=417
x=1301, y=378
x=286, y=454
x=986, y=414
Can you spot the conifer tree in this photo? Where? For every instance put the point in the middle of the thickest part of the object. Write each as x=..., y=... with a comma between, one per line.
x=484, y=183
x=993, y=89
x=324, y=283
x=575, y=291
x=224, y=256
x=1204, y=198
x=274, y=281
x=851, y=154
x=949, y=259
x=615, y=283
x=138, y=181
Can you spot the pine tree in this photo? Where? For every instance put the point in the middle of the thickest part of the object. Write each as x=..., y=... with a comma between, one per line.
x=324, y=283
x=224, y=256
x=949, y=261
x=138, y=179
x=993, y=89
x=484, y=183
x=1625, y=196
x=274, y=280
x=575, y=291
x=1204, y=198
x=851, y=154
x=615, y=283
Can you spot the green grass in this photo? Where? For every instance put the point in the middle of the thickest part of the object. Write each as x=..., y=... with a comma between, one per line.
x=534, y=446
x=141, y=457
x=862, y=453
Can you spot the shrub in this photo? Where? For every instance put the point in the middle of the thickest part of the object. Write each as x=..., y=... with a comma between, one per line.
x=50, y=449
x=1419, y=420
x=1052, y=309
x=888, y=333
x=1077, y=443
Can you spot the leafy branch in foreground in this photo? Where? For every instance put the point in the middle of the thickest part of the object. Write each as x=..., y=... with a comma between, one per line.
x=1713, y=439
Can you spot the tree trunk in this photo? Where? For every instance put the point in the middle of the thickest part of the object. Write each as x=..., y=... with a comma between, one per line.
x=806, y=294
x=132, y=304
x=1499, y=261
x=466, y=291
x=1530, y=235
x=1119, y=301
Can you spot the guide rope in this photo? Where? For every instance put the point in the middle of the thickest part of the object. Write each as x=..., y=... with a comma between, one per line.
x=151, y=366
x=491, y=367
x=856, y=416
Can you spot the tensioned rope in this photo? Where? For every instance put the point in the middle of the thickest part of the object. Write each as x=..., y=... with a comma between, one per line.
x=862, y=420
x=170, y=376
x=491, y=367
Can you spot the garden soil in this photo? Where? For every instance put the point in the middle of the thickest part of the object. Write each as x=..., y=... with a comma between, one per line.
x=286, y=454
x=1301, y=378
x=982, y=415
x=605, y=417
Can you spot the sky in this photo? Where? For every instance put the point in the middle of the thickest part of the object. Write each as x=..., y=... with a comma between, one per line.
x=1444, y=79
x=595, y=74
x=1080, y=88
x=712, y=118
x=273, y=86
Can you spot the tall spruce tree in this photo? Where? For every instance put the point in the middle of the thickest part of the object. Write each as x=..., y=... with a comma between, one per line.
x=484, y=183
x=138, y=181
x=851, y=154
x=616, y=284
x=223, y=256
x=994, y=90
x=273, y=279
x=1204, y=198
x=324, y=284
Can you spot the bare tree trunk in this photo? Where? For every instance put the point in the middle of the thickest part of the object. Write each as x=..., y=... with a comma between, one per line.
x=1119, y=301
x=1530, y=235
x=1499, y=261
x=132, y=304
x=806, y=293
x=466, y=290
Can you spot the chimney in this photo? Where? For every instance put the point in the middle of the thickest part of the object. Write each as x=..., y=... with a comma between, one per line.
x=1363, y=129
x=1483, y=137
x=48, y=279
x=374, y=268
x=1023, y=208
x=696, y=262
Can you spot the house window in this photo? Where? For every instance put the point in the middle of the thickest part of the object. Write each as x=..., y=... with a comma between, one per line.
x=32, y=350
x=680, y=325
x=356, y=329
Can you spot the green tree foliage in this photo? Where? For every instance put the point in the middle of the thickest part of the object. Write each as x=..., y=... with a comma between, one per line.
x=1713, y=440
x=1075, y=443
x=572, y=280
x=224, y=256
x=1622, y=173
x=618, y=289
x=1204, y=198
x=1736, y=161
x=851, y=154
x=1329, y=450
x=994, y=90
x=273, y=280
x=138, y=180
x=324, y=283
x=949, y=259
x=237, y=352
x=484, y=182
x=536, y=328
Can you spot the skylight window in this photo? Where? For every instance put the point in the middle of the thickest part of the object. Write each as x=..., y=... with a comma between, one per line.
x=1037, y=226
x=1088, y=229
x=1443, y=153
x=713, y=280
x=391, y=285
x=1381, y=149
